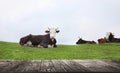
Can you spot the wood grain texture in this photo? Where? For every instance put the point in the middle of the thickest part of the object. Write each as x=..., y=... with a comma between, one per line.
x=59, y=65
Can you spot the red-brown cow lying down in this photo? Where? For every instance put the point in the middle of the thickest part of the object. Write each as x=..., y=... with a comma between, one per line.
x=102, y=40
x=45, y=41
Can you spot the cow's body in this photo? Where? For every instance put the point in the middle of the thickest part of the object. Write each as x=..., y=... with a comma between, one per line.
x=81, y=41
x=44, y=41
x=38, y=41
x=116, y=40
x=102, y=40
x=111, y=38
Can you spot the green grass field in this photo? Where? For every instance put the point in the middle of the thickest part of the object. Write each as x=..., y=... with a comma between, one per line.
x=13, y=51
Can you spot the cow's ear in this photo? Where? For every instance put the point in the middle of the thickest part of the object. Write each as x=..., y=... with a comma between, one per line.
x=47, y=31
x=57, y=31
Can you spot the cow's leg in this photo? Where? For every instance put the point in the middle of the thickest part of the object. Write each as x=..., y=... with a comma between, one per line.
x=54, y=45
x=25, y=45
x=44, y=45
x=39, y=46
x=50, y=46
x=29, y=43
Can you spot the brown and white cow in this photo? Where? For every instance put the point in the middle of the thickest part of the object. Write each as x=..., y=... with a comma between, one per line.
x=102, y=40
x=44, y=41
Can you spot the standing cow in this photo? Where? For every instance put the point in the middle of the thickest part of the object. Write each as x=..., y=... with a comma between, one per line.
x=44, y=41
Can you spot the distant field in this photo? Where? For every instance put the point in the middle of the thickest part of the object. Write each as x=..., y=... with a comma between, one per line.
x=14, y=51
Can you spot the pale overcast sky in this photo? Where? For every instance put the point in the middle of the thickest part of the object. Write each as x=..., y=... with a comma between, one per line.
x=89, y=19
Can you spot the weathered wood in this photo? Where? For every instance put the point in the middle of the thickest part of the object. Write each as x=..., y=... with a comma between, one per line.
x=47, y=66
x=59, y=65
x=114, y=65
x=99, y=65
x=65, y=66
x=76, y=67
x=110, y=66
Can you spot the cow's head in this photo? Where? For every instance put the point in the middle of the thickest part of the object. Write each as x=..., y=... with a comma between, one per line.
x=109, y=36
x=52, y=32
x=79, y=41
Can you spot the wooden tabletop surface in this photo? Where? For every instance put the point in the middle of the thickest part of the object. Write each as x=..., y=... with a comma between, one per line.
x=59, y=66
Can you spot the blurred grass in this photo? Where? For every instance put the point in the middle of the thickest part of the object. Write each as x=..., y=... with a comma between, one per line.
x=13, y=51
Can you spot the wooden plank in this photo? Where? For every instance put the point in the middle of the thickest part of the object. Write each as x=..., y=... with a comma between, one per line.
x=10, y=66
x=113, y=65
x=52, y=69
x=89, y=64
x=3, y=66
x=66, y=67
x=47, y=66
x=58, y=65
x=76, y=67
x=97, y=66
x=20, y=66
x=23, y=67
x=107, y=67
x=31, y=66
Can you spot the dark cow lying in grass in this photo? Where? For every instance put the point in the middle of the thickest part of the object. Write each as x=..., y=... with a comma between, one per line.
x=44, y=41
x=111, y=38
x=34, y=41
x=81, y=41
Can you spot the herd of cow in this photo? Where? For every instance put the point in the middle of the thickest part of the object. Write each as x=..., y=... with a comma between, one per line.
x=109, y=38
x=49, y=41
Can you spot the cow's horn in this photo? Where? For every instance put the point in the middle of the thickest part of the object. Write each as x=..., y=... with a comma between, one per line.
x=48, y=28
x=57, y=28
